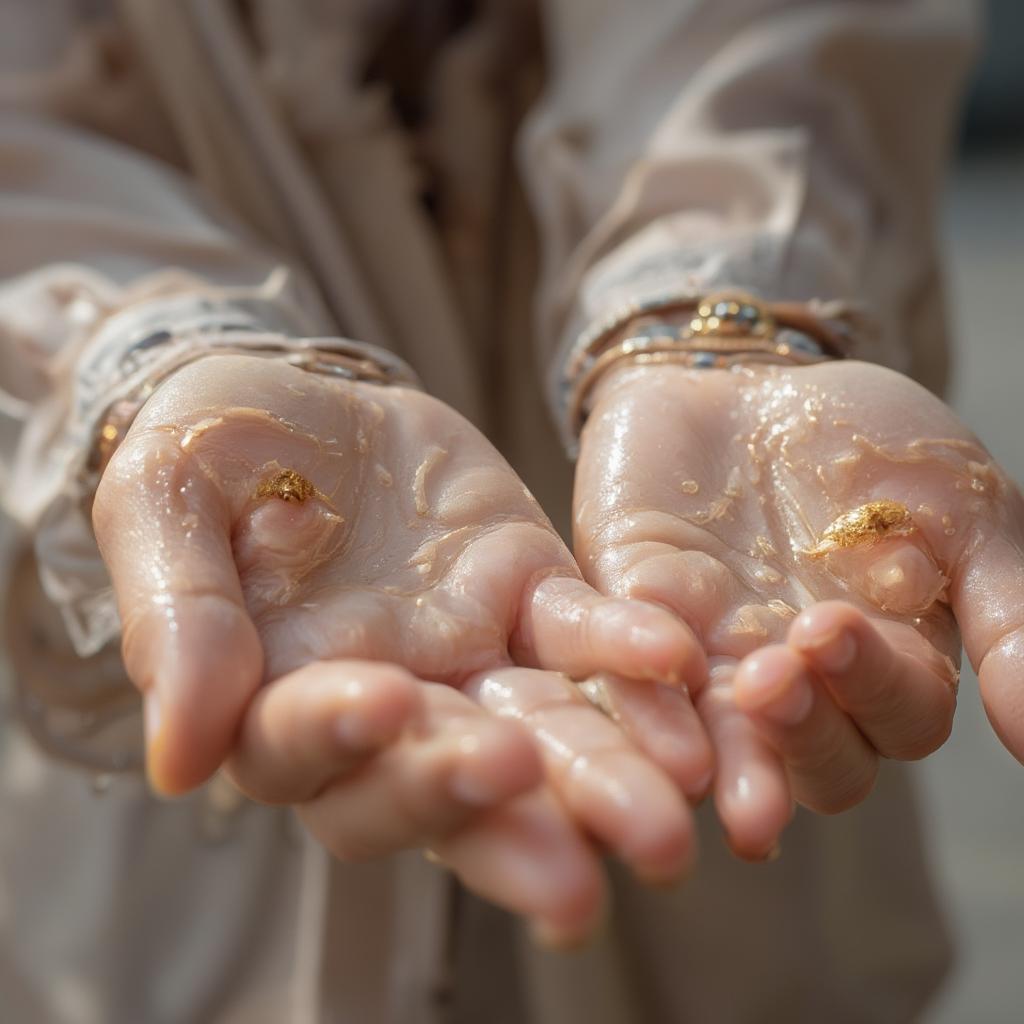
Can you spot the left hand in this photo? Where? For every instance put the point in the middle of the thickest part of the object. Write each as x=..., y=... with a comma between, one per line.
x=374, y=760
x=709, y=492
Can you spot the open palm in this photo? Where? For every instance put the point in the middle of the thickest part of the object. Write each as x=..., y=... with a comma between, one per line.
x=712, y=493
x=259, y=520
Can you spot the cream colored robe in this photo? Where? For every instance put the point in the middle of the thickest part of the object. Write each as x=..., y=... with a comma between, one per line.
x=551, y=160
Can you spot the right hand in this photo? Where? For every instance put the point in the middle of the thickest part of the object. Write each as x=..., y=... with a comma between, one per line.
x=420, y=549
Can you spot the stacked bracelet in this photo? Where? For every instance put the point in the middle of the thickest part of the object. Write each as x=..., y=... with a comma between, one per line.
x=334, y=357
x=721, y=330
x=137, y=348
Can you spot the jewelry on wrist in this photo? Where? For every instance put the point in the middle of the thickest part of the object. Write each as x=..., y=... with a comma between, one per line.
x=718, y=331
x=334, y=357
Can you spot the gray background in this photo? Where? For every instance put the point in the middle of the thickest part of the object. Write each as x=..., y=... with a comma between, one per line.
x=974, y=790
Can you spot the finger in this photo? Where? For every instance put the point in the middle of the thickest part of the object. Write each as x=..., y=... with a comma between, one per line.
x=663, y=723
x=427, y=784
x=987, y=594
x=831, y=766
x=163, y=528
x=566, y=625
x=751, y=791
x=527, y=857
x=693, y=584
x=895, y=575
x=894, y=686
x=607, y=785
x=321, y=723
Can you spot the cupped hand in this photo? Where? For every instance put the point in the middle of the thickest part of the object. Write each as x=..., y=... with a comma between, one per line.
x=258, y=519
x=721, y=495
x=375, y=760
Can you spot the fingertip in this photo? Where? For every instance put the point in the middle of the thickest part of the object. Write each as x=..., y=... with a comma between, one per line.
x=822, y=620
x=755, y=809
x=199, y=667
x=527, y=856
x=560, y=938
x=1001, y=680
x=661, y=848
x=658, y=646
x=495, y=763
x=576, y=903
x=690, y=763
x=667, y=858
x=664, y=724
x=160, y=782
x=376, y=702
x=826, y=635
x=771, y=684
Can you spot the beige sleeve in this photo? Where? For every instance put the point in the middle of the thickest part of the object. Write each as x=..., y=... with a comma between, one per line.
x=794, y=148
x=100, y=250
x=88, y=229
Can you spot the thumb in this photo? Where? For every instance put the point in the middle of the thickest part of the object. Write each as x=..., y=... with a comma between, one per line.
x=988, y=599
x=164, y=530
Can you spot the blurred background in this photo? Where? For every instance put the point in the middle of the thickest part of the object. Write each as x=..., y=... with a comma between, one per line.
x=973, y=789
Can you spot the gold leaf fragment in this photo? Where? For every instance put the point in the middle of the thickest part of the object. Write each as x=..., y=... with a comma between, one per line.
x=865, y=525
x=288, y=486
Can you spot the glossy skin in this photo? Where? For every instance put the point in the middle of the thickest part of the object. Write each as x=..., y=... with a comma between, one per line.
x=706, y=492
x=386, y=654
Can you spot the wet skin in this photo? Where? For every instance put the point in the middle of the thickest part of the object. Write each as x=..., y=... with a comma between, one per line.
x=384, y=646
x=725, y=496
x=389, y=652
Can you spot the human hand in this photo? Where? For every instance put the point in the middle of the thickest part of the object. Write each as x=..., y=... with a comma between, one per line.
x=375, y=761
x=417, y=546
x=711, y=493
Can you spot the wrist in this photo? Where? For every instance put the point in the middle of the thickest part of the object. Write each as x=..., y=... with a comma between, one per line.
x=338, y=359
x=721, y=331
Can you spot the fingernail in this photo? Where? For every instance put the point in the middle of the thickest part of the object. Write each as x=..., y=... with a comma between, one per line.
x=834, y=652
x=153, y=724
x=151, y=715
x=791, y=705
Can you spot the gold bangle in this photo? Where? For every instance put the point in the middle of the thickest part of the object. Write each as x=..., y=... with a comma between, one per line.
x=697, y=353
x=733, y=325
x=732, y=315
